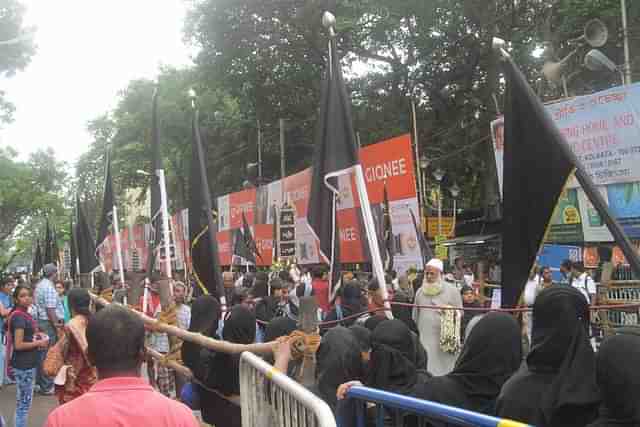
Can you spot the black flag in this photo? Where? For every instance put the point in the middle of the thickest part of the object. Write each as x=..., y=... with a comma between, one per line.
x=274, y=215
x=37, y=258
x=55, y=250
x=335, y=154
x=48, y=255
x=86, y=245
x=155, y=214
x=425, y=249
x=536, y=170
x=108, y=201
x=249, y=241
x=387, y=232
x=73, y=249
x=202, y=227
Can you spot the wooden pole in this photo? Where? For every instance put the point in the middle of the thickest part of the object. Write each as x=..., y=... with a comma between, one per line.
x=308, y=323
x=196, y=338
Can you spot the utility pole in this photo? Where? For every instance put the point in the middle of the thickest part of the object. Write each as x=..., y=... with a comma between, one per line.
x=625, y=37
x=283, y=172
x=259, y=154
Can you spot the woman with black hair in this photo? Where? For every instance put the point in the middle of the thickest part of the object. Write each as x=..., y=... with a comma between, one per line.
x=77, y=374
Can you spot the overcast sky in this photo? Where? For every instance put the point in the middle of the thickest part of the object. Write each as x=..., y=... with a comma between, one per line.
x=88, y=50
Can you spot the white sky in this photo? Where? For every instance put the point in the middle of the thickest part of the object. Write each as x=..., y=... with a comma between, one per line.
x=88, y=50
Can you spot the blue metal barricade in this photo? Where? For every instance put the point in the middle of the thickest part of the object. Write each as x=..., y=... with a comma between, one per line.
x=421, y=408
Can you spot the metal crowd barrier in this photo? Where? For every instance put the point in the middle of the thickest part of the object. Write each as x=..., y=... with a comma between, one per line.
x=272, y=399
x=421, y=408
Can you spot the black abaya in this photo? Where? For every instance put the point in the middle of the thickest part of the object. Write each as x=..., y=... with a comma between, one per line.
x=619, y=381
x=557, y=387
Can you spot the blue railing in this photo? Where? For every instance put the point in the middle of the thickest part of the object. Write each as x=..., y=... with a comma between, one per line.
x=422, y=408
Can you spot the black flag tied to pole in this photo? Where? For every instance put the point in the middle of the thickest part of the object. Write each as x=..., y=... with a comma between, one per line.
x=386, y=237
x=37, y=258
x=108, y=201
x=249, y=241
x=204, y=246
x=86, y=245
x=335, y=154
x=73, y=249
x=425, y=249
x=537, y=163
x=48, y=245
x=155, y=232
x=55, y=250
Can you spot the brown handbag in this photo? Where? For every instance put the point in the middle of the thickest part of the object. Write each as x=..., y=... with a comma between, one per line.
x=55, y=357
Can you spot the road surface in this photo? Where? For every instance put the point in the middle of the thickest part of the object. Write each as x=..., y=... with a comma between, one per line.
x=41, y=407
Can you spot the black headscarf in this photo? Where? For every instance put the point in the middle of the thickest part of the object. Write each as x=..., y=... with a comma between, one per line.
x=338, y=361
x=352, y=296
x=392, y=366
x=279, y=327
x=239, y=328
x=619, y=381
x=560, y=345
x=363, y=335
x=372, y=322
x=205, y=314
x=402, y=312
x=491, y=354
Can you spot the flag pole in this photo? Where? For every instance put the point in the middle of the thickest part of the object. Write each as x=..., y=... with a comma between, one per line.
x=328, y=20
x=165, y=222
x=116, y=232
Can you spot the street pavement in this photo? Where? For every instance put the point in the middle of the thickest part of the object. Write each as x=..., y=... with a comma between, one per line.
x=41, y=407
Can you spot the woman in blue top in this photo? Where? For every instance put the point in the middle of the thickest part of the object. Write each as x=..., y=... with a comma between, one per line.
x=26, y=347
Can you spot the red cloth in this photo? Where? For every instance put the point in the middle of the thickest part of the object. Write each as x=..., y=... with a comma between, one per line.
x=321, y=292
x=153, y=306
x=122, y=401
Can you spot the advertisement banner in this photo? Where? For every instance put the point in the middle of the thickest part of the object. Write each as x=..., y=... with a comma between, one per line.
x=446, y=222
x=566, y=223
x=624, y=203
x=552, y=256
x=239, y=203
x=387, y=164
x=602, y=129
x=593, y=227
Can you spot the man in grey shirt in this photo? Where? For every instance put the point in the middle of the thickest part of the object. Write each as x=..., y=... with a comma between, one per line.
x=46, y=301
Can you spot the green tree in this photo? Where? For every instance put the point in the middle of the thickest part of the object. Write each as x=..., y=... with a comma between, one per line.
x=14, y=56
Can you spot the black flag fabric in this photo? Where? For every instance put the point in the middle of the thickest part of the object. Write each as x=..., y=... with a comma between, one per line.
x=48, y=244
x=155, y=213
x=202, y=227
x=335, y=154
x=73, y=249
x=55, y=250
x=536, y=170
x=276, y=220
x=387, y=232
x=425, y=249
x=108, y=201
x=86, y=246
x=37, y=258
x=249, y=241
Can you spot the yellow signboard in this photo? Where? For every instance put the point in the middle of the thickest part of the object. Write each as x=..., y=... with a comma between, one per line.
x=448, y=226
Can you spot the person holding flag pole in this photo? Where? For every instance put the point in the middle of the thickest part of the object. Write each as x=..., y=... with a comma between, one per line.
x=336, y=154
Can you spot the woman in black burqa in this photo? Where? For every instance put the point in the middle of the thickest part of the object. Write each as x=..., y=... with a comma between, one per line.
x=218, y=373
x=490, y=356
x=557, y=386
x=338, y=360
x=619, y=381
x=205, y=314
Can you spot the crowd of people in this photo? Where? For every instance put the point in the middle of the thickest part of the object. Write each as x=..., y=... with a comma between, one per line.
x=441, y=345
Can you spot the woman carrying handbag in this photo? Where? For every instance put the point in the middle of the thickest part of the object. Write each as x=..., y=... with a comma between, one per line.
x=75, y=374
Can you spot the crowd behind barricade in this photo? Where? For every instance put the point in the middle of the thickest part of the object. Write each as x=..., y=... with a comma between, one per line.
x=538, y=367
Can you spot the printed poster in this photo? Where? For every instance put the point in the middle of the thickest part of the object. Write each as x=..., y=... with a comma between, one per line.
x=566, y=223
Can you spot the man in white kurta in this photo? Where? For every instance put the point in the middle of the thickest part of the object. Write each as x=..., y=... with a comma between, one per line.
x=435, y=291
